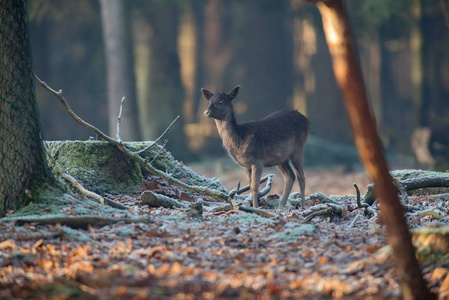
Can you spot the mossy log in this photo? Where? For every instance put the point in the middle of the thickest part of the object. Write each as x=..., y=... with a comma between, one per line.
x=412, y=180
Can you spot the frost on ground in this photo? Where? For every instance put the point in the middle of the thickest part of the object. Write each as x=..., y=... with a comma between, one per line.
x=225, y=254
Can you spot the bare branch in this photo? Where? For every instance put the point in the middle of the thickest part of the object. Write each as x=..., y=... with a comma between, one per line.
x=260, y=212
x=220, y=196
x=158, y=139
x=119, y=118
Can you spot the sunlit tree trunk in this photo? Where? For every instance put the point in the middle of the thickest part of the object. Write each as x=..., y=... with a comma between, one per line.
x=341, y=46
x=23, y=166
x=416, y=64
x=120, y=72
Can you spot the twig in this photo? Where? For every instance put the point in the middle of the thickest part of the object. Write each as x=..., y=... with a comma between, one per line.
x=156, y=155
x=238, y=190
x=156, y=200
x=401, y=189
x=317, y=213
x=353, y=221
x=434, y=212
x=119, y=118
x=267, y=187
x=260, y=212
x=359, y=203
x=158, y=139
x=220, y=196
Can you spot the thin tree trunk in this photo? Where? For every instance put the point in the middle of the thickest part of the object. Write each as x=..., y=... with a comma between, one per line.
x=120, y=72
x=23, y=167
x=348, y=75
x=416, y=64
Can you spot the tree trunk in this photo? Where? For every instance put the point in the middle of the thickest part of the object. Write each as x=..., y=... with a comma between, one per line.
x=120, y=72
x=23, y=167
x=166, y=93
x=348, y=75
x=416, y=64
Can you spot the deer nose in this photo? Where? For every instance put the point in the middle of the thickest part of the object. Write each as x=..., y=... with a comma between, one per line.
x=207, y=112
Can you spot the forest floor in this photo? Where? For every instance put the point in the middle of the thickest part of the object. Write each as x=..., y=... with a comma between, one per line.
x=222, y=255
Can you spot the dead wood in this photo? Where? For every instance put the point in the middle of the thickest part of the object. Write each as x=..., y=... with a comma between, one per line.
x=260, y=212
x=409, y=185
x=220, y=196
x=321, y=197
x=80, y=187
x=157, y=200
x=76, y=222
x=238, y=190
x=330, y=209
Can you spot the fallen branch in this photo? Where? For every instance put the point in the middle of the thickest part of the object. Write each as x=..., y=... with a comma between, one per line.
x=238, y=190
x=260, y=212
x=434, y=212
x=401, y=189
x=321, y=210
x=76, y=222
x=220, y=196
x=157, y=200
x=353, y=221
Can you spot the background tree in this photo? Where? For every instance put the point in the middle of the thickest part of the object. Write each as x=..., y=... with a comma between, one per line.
x=120, y=68
x=23, y=167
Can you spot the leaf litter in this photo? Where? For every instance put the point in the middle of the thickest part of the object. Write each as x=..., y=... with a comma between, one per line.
x=224, y=255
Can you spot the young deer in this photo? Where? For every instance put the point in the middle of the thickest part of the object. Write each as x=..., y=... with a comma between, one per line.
x=275, y=140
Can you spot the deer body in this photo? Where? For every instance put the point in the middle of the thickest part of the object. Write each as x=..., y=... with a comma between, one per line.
x=275, y=140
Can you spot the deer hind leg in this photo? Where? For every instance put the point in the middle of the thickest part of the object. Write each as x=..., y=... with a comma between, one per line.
x=289, y=179
x=297, y=164
x=256, y=173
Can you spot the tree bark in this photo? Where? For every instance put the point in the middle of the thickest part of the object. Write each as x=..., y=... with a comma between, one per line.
x=349, y=78
x=120, y=72
x=23, y=167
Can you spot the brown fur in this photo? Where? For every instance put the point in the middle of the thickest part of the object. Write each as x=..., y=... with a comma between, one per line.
x=275, y=140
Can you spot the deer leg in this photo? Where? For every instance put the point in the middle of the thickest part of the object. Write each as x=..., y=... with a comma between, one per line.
x=256, y=173
x=248, y=175
x=297, y=164
x=289, y=179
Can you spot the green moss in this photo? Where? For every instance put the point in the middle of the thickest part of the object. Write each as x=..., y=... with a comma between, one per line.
x=292, y=234
x=98, y=166
x=411, y=173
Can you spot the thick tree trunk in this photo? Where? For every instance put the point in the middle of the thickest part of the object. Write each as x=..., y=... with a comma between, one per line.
x=348, y=75
x=120, y=72
x=23, y=166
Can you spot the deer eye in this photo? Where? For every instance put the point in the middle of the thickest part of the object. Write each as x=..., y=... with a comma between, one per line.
x=221, y=102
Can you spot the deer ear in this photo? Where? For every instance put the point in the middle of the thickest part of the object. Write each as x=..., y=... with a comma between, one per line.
x=206, y=94
x=232, y=94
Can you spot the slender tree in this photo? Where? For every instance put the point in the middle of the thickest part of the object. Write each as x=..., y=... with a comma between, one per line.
x=23, y=167
x=349, y=78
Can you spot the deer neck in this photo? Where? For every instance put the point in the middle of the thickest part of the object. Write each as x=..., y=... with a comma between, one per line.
x=229, y=131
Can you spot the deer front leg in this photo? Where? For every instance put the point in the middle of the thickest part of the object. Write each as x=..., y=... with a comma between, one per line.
x=256, y=173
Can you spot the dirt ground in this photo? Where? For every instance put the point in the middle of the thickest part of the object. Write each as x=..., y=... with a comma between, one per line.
x=221, y=255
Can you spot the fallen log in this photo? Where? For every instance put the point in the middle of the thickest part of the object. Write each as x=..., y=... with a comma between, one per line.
x=157, y=200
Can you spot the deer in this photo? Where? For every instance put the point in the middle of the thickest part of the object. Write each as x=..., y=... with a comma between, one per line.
x=276, y=140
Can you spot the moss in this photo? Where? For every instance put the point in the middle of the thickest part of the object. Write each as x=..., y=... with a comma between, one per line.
x=292, y=234
x=411, y=173
x=53, y=202
x=98, y=166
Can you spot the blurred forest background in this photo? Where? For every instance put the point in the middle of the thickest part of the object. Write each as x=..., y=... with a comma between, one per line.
x=159, y=53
